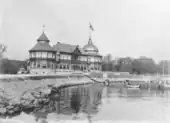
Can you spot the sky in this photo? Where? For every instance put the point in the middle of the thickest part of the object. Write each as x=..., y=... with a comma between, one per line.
x=122, y=27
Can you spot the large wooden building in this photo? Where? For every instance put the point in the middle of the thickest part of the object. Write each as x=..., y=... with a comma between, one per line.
x=45, y=58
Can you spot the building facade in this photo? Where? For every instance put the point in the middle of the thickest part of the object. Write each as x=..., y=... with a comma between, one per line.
x=44, y=58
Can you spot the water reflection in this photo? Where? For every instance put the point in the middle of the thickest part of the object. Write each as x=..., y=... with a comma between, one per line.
x=134, y=104
x=80, y=99
x=73, y=101
x=95, y=101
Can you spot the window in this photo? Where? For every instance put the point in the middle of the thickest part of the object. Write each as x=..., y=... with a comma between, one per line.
x=53, y=56
x=85, y=58
x=62, y=57
x=79, y=58
x=33, y=54
x=50, y=55
x=34, y=64
x=44, y=54
x=38, y=65
x=52, y=65
x=65, y=57
x=43, y=64
x=64, y=66
x=69, y=57
x=60, y=66
x=38, y=54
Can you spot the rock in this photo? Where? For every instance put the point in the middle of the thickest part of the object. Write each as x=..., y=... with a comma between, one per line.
x=11, y=111
x=3, y=110
x=27, y=96
x=54, y=96
x=43, y=121
x=9, y=107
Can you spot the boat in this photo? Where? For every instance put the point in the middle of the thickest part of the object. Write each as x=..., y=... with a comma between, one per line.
x=164, y=85
x=133, y=86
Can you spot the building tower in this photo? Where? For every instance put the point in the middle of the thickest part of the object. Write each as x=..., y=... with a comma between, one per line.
x=42, y=56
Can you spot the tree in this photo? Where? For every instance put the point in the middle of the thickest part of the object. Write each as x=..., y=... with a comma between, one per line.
x=144, y=66
x=136, y=67
x=9, y=67
x=118, y=66
x=107, y=66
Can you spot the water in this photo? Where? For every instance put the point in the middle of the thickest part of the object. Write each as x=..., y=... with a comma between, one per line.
x=114, y=105
x=134, y=105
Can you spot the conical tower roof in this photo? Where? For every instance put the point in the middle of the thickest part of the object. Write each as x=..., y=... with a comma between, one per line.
x=44, y=45
x=43, y=37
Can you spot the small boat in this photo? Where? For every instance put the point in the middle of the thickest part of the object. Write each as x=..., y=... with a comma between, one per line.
x=164, y=85
x=133, y=86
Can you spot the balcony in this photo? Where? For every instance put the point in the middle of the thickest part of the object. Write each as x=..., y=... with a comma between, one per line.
x=75, y=62
x=50, y=59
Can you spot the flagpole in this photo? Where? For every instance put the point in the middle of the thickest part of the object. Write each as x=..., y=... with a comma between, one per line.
x=43, y=26
x=89, y=33
x=89, y=30
x=163, y=68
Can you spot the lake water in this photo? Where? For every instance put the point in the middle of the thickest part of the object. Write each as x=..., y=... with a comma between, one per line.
x=120, y=106
x=134, y=105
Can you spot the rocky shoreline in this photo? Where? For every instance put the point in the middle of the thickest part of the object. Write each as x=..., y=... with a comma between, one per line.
x=40, y=94
x=33, y=96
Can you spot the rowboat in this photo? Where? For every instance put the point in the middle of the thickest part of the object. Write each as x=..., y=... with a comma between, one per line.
x=133, y=86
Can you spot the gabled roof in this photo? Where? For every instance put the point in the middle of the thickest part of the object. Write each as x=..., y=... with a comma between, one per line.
x=43, y=37
x=42, y=47
x=61, y=47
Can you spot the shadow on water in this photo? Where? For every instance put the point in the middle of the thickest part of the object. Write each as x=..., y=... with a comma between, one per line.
x=72, y=101
x=135, y=93
x=88, y=99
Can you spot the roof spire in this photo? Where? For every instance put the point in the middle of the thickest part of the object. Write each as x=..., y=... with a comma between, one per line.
x=90, y=41
x=43, y=36
x=43, y=26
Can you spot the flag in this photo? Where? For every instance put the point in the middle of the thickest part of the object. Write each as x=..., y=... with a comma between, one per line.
x=43, y=25
x=91, y=27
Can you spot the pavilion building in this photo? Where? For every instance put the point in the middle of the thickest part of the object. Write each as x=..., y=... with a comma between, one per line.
x=44, y=58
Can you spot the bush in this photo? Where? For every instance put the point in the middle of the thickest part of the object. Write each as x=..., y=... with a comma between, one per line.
x=10, y=66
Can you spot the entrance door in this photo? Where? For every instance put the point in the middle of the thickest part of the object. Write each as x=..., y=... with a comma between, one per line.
x=76, y=67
